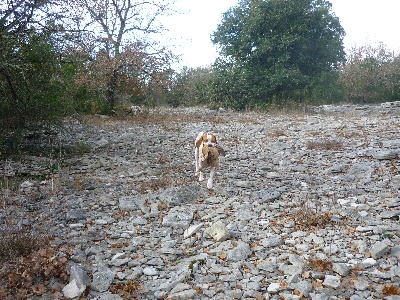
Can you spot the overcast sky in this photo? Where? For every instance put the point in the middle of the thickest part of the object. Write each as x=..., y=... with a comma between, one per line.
x=365, y=21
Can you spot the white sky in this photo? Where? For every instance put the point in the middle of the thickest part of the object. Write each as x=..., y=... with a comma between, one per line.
x=365, y=21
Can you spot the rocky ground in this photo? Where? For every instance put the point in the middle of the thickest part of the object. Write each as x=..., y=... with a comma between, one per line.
x=305, y=205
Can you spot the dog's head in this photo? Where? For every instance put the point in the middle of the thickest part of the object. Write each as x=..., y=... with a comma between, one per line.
x=209, y=156
x=209, y=152
x=206, y=138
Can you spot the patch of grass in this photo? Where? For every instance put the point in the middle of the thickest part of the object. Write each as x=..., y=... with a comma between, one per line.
x=127, y=290
x=320, y=265
x=390, y=290
x=15, y=243
x=324, y=145
x=155, y=184
x=274, y=133
x=162, y=206
x=82, y=147
x=306, y=218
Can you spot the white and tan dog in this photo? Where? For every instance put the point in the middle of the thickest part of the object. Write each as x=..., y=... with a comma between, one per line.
x=207, y=152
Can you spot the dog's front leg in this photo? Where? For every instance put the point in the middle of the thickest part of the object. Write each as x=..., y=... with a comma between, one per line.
x=201, y=176
x=210, y=180
x=196, y=157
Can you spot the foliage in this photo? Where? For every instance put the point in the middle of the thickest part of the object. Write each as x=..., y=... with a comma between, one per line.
x=123, y=62
x=192, y=87
x=29, y=85
x=371, y=74
x=274, y=49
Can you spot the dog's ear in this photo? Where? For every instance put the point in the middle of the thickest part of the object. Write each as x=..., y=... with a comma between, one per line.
x=198, y=143
x=201, y=139
x=213, y=139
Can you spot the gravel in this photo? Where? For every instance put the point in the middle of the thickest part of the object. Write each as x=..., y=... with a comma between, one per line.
x=305, y=205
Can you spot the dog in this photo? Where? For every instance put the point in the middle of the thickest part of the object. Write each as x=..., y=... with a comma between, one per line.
x=207, y=152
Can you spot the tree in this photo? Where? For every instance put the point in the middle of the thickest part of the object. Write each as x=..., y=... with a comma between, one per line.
x=122, y=45
x=275, y=48
x=28, y=65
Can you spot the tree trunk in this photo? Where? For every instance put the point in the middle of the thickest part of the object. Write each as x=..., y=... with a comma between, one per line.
x=112, y=89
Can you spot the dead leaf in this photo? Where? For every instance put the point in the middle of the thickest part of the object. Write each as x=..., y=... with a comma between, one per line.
x=39, y=289
x=317, y=284
x=391, y=290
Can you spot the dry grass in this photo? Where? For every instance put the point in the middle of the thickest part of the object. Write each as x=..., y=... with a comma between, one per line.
x=148, y=117
x=127, y=290
x=28, y=264
x=19, y=242
x=389, y=290
x=325, y=145
x=306, y=218
x=155, y=184
x=274, y=133
x=320, y=265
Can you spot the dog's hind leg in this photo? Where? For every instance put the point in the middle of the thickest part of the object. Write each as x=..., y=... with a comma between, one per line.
x=210, y=180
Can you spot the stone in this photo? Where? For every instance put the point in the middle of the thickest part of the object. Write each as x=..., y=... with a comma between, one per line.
x=102, y=279
x=331, y=281
x=150, y=271
x=273, y=241
x=274, y=288
x=368, y=262
x=361, y=285
x=217, y=231
x=240, y=252
x=77, y=284
x=379, y=249
x=386, y=155
x=108, y=296
x=266, y=195
x=304, y=287
x=396, y=251
x=291, y=269
x=192, y=230
x=72, y=290
x=341, y=269
x=178, y=217
x=361, y=245
x=128, y=202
